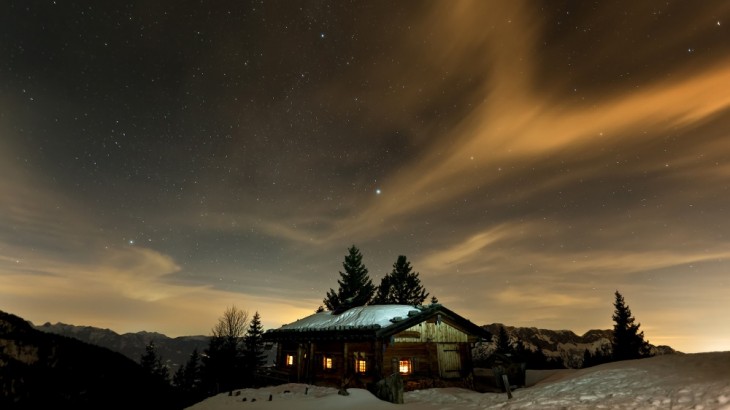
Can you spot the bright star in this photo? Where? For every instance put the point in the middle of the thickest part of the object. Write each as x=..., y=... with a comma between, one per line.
x=377, y=191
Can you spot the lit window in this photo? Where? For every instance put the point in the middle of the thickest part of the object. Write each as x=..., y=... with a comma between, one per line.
x=360, y=365
x=290, y=360
x=327, y=363
x=404, y=366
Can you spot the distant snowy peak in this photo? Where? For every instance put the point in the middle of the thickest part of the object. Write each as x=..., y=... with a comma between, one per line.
x=563, y=344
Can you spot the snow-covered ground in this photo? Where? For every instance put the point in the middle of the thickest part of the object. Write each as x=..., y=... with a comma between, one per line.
x=681, y=381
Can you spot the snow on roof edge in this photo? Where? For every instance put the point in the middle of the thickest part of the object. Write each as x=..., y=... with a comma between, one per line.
x=361, y=317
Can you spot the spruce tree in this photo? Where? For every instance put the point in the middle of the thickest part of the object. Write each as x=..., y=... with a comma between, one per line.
x=401, y=286
x=253, y=354
x=356, y=288
x=502, y=343
x=187, y=379
x=152, y=363
x=628, y=343
x=382, y=294
x=178, y=378
x=191, y=372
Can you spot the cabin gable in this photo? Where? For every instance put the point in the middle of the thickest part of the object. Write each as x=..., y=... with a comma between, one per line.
x=431, y=331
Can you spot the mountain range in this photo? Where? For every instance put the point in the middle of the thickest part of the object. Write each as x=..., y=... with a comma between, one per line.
x=563, y=347
x=173, y=351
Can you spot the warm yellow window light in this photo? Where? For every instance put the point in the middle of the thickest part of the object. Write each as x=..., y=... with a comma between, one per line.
x=404, y=366
x=327, y=363
x=360, y=366
x=290, y=360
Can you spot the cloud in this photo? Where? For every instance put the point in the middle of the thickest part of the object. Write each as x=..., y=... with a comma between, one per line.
x=507, y=117
x=499, y=136
x=542, y=246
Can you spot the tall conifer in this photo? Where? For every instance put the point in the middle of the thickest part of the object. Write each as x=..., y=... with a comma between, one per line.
x=628, y=342
x=401, y=286
x=356, y=288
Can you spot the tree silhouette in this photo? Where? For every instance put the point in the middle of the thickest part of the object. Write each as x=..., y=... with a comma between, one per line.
x=401, y=286
x=628, y=343
x=502, y=343
x=356, y=288
x=152, y=363
x=187, y=379
x=253, y=354
x=222, y=361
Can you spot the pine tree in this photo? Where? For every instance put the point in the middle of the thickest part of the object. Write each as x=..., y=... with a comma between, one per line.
x=401, y=286
x=382, y=294
x=178, y=379
x=152, y=363
x=356, y=288
x=502, y=343
x=628, y=343
x=534, y=359
x=192, y=371
x=253, y=355
x=187, y=379
x=187, y=376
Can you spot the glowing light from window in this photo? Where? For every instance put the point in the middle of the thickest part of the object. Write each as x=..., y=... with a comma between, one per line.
x=290, y=360
x=404, y=366
x=360, y=366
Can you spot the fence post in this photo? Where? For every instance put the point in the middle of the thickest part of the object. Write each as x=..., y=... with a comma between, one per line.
x=506, y=386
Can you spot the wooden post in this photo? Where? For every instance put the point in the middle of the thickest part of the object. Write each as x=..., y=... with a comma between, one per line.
x=346, y=365
x=506, y=386
x=378, y=348
x=311, y=365
x=300, y=362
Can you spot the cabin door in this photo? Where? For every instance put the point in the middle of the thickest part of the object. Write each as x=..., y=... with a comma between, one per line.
x=449, y=360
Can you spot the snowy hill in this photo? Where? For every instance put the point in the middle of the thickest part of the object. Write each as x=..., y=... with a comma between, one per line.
x=681, y=381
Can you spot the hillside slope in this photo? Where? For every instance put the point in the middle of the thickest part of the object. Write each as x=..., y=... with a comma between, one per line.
x=174, y=351
x=39, y=370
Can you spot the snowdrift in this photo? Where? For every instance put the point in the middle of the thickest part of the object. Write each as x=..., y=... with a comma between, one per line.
x=679, y=381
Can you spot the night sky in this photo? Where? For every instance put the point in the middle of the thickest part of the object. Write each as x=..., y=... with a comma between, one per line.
x=163, y=160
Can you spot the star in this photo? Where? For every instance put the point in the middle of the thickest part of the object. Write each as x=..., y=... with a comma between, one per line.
x=378, y=191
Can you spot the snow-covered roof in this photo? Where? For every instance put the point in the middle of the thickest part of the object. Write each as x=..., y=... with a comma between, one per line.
x=362, y=317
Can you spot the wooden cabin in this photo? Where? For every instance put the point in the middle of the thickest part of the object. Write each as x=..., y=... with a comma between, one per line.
x=428, y=346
